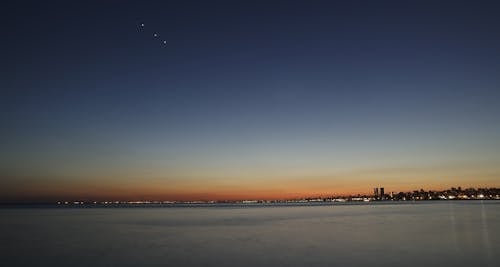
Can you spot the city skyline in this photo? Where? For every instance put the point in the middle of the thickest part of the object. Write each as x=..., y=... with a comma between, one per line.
x=247, y=100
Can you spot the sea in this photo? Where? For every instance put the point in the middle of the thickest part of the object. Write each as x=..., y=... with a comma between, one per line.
x=426, y=233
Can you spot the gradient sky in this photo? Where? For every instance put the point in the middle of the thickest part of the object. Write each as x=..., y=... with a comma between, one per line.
x=249, y=99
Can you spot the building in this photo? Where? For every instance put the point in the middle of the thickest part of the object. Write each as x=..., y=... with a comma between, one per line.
x=379, y=193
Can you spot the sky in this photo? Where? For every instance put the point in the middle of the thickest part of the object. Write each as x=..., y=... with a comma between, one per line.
x=248, y=99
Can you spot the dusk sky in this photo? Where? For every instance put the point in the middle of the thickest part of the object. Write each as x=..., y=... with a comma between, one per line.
x=248, y=99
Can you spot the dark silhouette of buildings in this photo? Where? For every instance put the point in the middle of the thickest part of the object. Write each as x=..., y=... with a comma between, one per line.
x=378, y=193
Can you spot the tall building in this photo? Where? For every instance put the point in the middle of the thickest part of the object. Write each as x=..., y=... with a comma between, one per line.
x=375, y=192
x=382, y=193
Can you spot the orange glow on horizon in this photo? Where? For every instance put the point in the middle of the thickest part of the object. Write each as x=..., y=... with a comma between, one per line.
x=205, y=188
x=186, y=194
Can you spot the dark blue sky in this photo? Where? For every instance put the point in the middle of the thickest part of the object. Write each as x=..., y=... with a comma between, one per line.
x=323, y=85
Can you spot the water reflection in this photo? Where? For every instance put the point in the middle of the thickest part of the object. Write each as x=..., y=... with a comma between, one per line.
x=431, y=234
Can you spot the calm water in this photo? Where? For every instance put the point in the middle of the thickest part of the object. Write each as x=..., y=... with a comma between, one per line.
x=426, y=234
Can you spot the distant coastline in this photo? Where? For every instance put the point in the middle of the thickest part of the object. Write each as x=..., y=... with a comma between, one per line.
x=451, y=194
